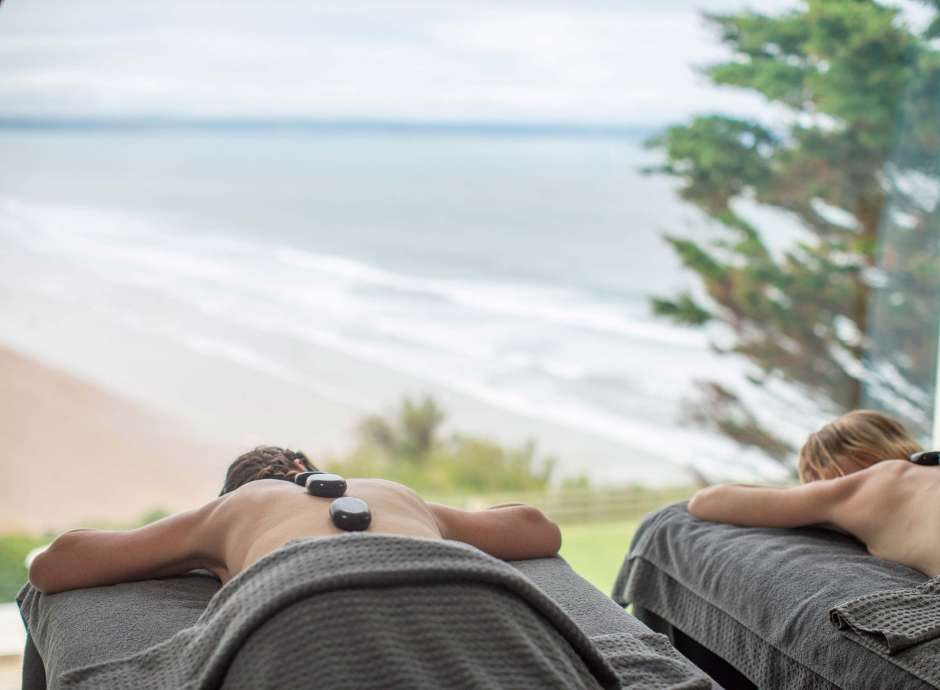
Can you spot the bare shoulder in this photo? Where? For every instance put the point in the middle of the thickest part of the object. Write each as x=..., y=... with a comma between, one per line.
x=890, y=469
x=263, y=494
x=864, y=494
x=877, y=475
x=226, y=511
x=382, y=484
x=259, y=490
x=879, y=479
x=388, y=490
x=251, y=492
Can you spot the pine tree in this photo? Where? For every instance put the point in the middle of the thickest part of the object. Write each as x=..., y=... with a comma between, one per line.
x=847, y=313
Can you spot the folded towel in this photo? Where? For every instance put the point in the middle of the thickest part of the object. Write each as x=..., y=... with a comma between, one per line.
x=893, y=621
x=379, y=611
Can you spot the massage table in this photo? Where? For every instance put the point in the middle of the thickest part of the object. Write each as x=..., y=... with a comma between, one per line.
x=752, y=606
x=91, y=628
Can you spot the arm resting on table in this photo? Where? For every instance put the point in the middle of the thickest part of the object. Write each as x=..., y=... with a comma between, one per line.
x=755, y=506
x=510, y=532
x=92, y=558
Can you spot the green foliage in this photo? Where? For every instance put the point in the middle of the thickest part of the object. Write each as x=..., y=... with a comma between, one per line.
x=683, y=310
x=861, y=88
x=13, y=551
x=411, y=435
x=716, y=157
x=409, y=447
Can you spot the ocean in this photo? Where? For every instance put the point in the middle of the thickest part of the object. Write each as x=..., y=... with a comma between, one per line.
x=508, y=268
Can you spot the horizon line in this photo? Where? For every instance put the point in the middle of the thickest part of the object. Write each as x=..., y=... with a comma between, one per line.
x=314, y=124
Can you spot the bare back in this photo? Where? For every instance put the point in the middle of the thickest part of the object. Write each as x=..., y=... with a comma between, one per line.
x=263, y=515
x=893, y=507
x=895, y=511
x=233, y=531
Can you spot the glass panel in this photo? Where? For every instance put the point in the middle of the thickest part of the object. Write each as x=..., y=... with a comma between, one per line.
x=902, y=367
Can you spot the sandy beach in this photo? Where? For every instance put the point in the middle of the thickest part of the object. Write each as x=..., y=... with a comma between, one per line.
x=109, y=442
x=76, y=455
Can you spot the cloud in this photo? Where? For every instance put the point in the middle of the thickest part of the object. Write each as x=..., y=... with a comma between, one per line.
x=549, y=61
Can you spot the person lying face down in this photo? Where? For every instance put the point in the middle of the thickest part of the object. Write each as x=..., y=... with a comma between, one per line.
x=855, y=479
x=259, y=510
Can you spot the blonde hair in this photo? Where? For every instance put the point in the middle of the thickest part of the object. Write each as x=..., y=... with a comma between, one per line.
x=853, y=442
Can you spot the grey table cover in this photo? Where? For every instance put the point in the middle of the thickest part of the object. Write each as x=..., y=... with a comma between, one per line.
x=86, y=627
x=760, y=599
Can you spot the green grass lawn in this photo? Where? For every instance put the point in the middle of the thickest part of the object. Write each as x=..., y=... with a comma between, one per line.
x=596, y=550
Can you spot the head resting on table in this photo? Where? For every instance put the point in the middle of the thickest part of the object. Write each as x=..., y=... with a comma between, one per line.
x=265, y=462
x=853, y=442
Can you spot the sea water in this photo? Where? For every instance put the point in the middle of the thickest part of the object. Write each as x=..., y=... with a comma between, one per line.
x=513, y=269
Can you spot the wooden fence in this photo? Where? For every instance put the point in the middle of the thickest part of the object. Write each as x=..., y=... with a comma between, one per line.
x=570, y=506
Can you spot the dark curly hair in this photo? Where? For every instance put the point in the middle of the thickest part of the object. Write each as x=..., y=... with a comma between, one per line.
x=265, y=462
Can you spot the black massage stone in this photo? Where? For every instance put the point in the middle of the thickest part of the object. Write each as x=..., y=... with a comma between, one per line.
x=351, y=514
x=301, y=479
x=326, y=485
x=926, y=457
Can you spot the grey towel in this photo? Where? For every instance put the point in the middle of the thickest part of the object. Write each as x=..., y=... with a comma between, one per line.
x=759, y=598
x=890, y=622
x=374, y=611
x=87, y=627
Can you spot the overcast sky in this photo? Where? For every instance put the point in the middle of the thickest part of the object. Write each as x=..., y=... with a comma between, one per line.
x=628, y=62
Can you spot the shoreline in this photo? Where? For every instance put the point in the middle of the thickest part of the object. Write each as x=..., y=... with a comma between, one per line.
x=135, y=414
x=225, y=403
